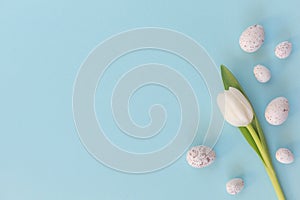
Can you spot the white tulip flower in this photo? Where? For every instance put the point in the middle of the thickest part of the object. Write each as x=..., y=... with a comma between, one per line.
x=235, y=107
x=237, y=111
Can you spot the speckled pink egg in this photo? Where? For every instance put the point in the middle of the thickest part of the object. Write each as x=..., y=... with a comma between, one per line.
x=252, y=38
x=284, y=156
x=234, y=186
x=262, y=73
x=277, y=111
x=283, y=50
x=200, y=156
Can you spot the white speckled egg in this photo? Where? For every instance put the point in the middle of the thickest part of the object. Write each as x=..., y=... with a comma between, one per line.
x=200, y=156
x=283, y=50
x=235, y=186
x=252, y=38
x=277, y=111
x=284, y=156
x=261, y=73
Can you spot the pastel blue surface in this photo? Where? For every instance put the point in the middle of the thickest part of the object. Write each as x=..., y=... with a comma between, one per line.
x=43, y=44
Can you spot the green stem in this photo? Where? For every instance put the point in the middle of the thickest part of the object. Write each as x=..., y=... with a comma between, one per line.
x=268, y=163
x=275, y=183
x=259, y=145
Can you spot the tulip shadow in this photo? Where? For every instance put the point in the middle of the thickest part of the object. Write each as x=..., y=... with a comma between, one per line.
x=275, y=33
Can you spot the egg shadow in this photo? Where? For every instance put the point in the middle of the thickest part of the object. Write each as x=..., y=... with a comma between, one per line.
x=276, y=33
x=294, y=147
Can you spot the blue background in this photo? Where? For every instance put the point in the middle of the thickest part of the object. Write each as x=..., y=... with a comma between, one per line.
x=42, y=46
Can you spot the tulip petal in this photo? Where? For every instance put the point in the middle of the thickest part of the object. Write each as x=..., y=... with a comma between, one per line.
x=247, y=111
x=235, y=108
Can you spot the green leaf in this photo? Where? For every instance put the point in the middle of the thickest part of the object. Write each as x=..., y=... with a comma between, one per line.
x=229, y=80
x=250, y=140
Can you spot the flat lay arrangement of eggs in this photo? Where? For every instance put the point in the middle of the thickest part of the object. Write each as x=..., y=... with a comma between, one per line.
x=251, y=39
x=276, y=111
